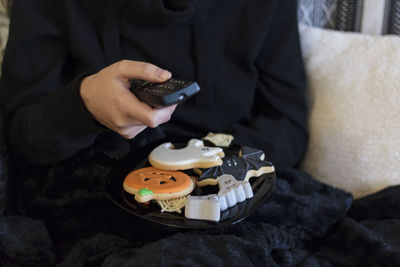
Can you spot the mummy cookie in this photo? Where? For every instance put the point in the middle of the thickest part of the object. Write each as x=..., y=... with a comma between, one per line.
x=248, y=162
x=209, y=207
x=203, y=208
x=194, y=155
x=152, y=183
x=232, y=191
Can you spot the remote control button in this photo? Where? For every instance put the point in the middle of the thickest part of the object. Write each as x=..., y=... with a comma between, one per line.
x=181, y=97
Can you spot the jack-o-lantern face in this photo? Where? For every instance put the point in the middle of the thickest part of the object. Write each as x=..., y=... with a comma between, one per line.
x=158, y=181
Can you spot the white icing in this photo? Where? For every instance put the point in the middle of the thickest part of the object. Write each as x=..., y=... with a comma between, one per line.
x=195, y=151
x=248, y=190
x=203, y=208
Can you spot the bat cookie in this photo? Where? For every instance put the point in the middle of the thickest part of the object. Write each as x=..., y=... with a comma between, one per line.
x=248, y=162
x=194, y=155
x=152, y=183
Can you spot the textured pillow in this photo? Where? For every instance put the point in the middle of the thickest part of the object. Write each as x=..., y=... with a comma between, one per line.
x=354, y=82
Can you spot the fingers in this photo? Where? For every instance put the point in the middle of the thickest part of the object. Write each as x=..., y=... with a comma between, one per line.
x=130, y=69
x=131, y=132
x=149, y=116
x=160, y=116
x=107, y=97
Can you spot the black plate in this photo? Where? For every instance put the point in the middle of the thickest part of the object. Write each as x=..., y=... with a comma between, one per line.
x=262, y=187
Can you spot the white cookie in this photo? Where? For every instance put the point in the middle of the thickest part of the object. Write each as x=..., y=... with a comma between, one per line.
x=219, y=139
x=194, y=155
x=203, y=208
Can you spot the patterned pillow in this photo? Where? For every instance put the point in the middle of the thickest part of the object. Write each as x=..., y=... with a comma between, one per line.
x=366, y=16
x=318, y=13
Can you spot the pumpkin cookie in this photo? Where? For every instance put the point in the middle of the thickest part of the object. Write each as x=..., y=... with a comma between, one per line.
x=152, y=183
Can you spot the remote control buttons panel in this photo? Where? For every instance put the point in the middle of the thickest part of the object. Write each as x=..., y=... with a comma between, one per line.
x=166, y=93
x=139, y=83
x=163, y=88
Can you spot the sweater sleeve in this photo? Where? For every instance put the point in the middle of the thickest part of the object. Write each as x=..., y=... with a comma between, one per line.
x=46, y=119
x=279, y=121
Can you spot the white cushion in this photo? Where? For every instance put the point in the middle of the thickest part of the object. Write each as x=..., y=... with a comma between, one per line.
x=354, y=83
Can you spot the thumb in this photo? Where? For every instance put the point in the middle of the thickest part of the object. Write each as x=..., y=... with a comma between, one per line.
x=129, y=69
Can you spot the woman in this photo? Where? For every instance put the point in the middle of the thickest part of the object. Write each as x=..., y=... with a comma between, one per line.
x=66, y=100
x=67, y=70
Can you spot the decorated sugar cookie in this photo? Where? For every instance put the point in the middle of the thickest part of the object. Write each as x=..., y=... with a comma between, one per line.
x=194, y=155
x=209, y=207
x=152, y=183
x=232, y=191
x=203, y=208
x=248, y=162
x=219, y=139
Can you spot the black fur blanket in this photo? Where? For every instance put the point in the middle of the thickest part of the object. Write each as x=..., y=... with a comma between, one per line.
x=62, y=216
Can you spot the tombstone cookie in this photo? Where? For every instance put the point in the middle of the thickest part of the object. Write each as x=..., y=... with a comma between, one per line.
x=194, y=155
x=152, y=183
x=248, y=162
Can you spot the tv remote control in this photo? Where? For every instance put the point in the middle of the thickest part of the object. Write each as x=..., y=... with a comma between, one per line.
x=172, y=91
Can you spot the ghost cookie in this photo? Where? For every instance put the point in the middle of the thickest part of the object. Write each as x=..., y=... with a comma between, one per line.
x=152, y=183
x=194, y=155
x=248, y=162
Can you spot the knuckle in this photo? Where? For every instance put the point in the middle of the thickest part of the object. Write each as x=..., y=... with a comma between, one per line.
x=152, y=124
x=127, y=136
x=122, y=65
x=123, y=62
x=118, y=102
x=120, y=124
x=151, y=121
x=124, y=133
x=158, y=118
x=130, y=136
x=165, y=116
x=148, y=68
x=168, y=117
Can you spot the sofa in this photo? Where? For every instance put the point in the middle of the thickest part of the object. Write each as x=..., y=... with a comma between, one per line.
x=344, y=204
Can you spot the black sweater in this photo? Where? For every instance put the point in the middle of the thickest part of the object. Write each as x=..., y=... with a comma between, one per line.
x=245, y=56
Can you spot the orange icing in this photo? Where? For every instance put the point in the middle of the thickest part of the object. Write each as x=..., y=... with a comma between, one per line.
x=158, y=181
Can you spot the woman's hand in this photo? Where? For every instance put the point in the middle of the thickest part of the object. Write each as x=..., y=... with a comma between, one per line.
x=107, y=96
